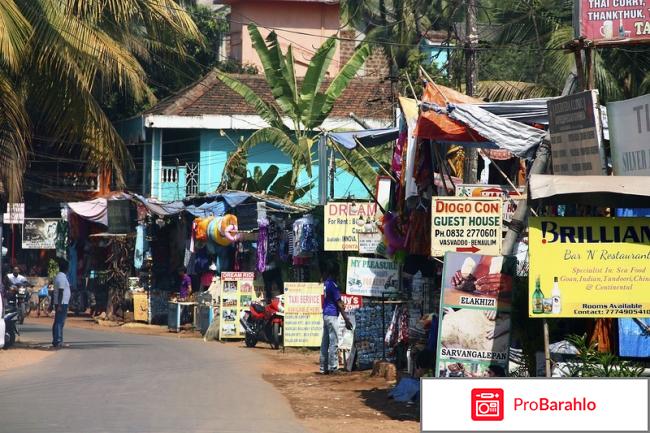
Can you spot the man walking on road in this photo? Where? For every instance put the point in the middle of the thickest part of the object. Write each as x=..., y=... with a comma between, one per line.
x=60, y=299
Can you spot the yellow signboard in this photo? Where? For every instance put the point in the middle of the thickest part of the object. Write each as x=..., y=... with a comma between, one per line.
x=344, y=220
x=466, y=225
x=589, y=267
x=303, y=314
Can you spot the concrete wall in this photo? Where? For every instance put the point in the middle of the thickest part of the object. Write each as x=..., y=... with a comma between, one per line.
x=317, y=21
x=214, y=151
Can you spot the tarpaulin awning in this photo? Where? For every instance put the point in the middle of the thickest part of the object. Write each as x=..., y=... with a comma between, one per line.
x=437, y=125
x=516, y=137
x=368, y=138
x=161, y=209
x=215, y=208
x=532, y=111
x=604, y=191
x=92, y=210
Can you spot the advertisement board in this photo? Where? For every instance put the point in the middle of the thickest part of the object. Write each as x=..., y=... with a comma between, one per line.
x=303, y=314
x=39, y=234
x=629, y=135
x=344, y=220
x=589, y=267
x=474, y=319
x=576, y=137
x=236, y=295
x=371, y=277
x=466, y=225
x=508, y=195
x=15, y=214
x=617, y=22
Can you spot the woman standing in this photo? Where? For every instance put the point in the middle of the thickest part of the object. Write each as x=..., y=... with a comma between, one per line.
x=332, y=306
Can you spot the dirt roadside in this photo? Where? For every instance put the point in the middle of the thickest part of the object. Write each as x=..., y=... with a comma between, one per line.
x=348, y=402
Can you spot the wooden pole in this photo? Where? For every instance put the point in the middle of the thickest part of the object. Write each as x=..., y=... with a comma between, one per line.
x=577, y=52
x=547, y=350
x=589, y=66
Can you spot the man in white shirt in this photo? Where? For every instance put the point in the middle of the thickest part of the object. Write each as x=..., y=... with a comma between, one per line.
x=60, y=300
x=15, y=279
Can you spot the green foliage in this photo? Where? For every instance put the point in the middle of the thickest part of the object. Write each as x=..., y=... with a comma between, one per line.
x=590, y=362
x=58, y=59
x=306, y=106
x=52, y=269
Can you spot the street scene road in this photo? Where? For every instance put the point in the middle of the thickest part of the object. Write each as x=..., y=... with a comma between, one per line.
x=117, y=382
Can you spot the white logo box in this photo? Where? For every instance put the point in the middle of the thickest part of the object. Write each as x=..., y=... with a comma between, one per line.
x=621, y=404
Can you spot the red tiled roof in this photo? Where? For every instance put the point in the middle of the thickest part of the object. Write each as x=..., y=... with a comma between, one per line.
x=365, y=97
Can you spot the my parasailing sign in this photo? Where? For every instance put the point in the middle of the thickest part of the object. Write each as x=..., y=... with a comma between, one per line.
x=466, y=225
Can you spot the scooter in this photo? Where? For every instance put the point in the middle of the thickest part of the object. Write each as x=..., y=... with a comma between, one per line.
x=18, y=297
x=264, y=323
x=10, y=318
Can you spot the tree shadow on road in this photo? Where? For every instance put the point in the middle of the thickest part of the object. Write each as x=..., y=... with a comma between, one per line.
x=78, y=345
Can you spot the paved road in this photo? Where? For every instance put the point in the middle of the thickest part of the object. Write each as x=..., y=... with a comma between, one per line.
x=113, y=382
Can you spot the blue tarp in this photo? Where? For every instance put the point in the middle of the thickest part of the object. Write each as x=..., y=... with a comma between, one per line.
x=215, y=208
x=369, y=137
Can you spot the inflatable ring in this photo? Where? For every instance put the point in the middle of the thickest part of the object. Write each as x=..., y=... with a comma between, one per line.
x=227, y=232
x=202, y=228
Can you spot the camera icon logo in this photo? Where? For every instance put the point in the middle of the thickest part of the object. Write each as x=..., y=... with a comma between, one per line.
x=487, y=404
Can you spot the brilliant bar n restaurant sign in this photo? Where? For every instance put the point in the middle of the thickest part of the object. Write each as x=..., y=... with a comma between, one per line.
x=613, y=21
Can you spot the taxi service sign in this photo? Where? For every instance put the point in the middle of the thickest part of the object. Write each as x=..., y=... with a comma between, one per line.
x=466, y=225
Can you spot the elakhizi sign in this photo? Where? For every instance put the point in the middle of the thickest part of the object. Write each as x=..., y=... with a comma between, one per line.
x=589, y=267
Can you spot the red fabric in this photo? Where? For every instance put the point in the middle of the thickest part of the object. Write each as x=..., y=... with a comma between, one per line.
x=441, y=127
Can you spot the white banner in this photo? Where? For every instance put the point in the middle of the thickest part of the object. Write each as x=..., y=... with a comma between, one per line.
x=629, y=134
x=371, y=277
x=534, y=405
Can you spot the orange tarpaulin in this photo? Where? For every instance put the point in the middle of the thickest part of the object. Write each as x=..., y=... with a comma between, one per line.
x=439, y=126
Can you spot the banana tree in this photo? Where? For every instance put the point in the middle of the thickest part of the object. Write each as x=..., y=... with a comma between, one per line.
x=301, y=106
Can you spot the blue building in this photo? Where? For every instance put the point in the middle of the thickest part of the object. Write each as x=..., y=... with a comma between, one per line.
x=181, y=145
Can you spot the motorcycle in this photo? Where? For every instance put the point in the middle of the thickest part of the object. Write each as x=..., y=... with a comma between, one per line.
x=19, y=297
x=10, y=318
x=264, y=323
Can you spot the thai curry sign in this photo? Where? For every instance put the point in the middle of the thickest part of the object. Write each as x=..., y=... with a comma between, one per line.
x=589, y=267
x=344, y=220
x=466, y=225
x=618, y=21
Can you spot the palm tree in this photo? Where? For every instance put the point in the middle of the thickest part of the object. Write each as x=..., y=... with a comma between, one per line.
x=58, y=56
x=304, y=106
x=545, y=26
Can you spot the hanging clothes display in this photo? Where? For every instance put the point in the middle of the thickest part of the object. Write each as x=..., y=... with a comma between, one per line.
x=418, y=236
x=62, y=239
x=304, y=237
x=262, y=244
x=139, y=247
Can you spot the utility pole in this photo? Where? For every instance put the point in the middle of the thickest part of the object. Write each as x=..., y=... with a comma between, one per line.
x=471, y=81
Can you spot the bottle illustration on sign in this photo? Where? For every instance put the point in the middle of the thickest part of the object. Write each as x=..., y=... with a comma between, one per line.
x=538, y=298
x=555, y=296
x=621, y=29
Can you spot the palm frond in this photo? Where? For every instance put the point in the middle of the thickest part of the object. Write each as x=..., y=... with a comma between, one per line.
x=268, y=112
x=513, y=90
x=14, y=139
x=272, y=61
x=14, y=34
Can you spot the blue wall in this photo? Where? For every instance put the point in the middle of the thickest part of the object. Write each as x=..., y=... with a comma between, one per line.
x=214, y=150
